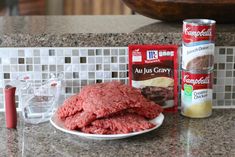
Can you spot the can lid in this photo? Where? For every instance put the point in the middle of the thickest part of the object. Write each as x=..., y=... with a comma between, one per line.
x=198, y=71
x=197, y=22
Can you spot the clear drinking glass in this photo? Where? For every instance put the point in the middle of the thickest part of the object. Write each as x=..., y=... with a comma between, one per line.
x=38, y=101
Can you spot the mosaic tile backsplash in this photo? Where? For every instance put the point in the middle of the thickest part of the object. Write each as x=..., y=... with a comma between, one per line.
x=83, y=66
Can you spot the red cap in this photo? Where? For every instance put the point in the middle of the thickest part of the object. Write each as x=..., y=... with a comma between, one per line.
x=10, y=107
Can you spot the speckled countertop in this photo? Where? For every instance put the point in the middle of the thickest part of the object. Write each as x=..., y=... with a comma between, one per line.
x=178, y=136
x=96, y=31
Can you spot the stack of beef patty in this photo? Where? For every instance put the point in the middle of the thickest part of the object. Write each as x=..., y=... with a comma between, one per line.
x=108, y=108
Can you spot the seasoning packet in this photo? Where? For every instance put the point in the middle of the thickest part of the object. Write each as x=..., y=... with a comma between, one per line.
x=154, y=70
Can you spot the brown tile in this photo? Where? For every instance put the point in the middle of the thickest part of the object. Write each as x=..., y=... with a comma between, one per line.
x=222, y=51
x=229, y=51
x=67, y=59
x=228, y=88
x=82, y=59
x=21, y=60
x=221, y=66
x=114, y=74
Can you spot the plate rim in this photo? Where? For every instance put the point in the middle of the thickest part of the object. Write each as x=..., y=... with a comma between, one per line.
x=105, y=137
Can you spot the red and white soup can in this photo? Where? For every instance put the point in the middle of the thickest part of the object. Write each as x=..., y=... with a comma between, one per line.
x=198, y=44
x=196, y=93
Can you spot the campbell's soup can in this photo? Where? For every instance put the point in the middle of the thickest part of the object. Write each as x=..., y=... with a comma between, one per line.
x=198, y=44
x=196, y=93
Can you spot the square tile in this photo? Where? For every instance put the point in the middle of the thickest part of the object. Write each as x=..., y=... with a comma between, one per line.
x=222, y=51
x=91, y=67
x=82, y=59
x=14, y=68
x=68, y=75
x=106, y=52
x=122, y=51
x=91, y=60
x=75, y=52
x=29, y=67
x=91, y=75
x=75, y=74
x=229, y=50
x=114, y=52
x=52, y=60
x=99, y=60
x=45, y=68
x=75, y=60
x=91, y=52
x=51, y=52
x=229, y=58
x=68, y=68
x=59, y=52
x=45, y=60
x=68, y=89
x=21, y=53
x=83, y=75
x=83, y=67
x=20, y=60
x=60, y=68
x=14, y=60
x=29, y=60
x=60, y=60
x=84, y=83
x=37, y=68
x=68, y=83
x=52, y=68
x=114, y=60
x=67, y=60
x=6, y=76
x=83, y=52
x=37, y=60
x=67, y=52
x=6, y=68
x=98, y=52
x=76, y=82
x=36, y=52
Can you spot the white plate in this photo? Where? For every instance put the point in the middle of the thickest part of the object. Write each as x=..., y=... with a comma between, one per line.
x=60, y=125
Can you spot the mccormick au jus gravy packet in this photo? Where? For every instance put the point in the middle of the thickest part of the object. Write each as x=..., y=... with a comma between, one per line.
x=153, y=69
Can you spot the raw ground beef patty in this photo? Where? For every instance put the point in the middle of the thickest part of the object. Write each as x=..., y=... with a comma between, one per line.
x=122, y=124
x=110, y=104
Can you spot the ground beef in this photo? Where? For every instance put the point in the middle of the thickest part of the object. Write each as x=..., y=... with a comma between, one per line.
x=79, y=120
x=70, y=106
x=149, y=110
x=107, y=98
x=108, y=108
x=95, y=130
x=123, y=123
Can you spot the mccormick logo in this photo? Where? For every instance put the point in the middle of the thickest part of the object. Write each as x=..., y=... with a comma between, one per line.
x=202, y=80
x=197, y=33
x=152, y=54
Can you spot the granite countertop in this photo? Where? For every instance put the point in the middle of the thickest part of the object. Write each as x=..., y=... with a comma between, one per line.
x=96, y=31
x=178, y=136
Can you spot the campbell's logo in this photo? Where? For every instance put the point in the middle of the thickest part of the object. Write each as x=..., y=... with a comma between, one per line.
x=201, y=80
x=197, y=33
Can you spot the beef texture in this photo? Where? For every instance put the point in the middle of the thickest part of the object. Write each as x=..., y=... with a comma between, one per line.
x=108, y=108
x=107, y=98
x=119, y=124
